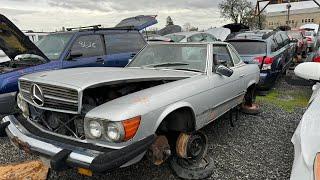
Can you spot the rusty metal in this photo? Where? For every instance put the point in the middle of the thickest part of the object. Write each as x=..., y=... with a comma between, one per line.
x=33, y=170
x=159, y=151
x=21, y=145
x=182, y=145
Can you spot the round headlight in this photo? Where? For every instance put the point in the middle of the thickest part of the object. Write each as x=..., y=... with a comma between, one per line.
x=95, y=129
x=114, y=131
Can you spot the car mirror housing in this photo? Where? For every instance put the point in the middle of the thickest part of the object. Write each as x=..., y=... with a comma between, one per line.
x=309, y=71
x=224, y=71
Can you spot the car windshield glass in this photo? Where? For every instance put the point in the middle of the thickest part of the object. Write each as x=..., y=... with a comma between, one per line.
x=175, y=38
x=246, y=47
x=172, y=56
x=53, y=45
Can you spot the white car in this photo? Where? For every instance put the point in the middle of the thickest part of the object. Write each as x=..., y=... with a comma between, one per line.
x=192, y=36
x=306, y=139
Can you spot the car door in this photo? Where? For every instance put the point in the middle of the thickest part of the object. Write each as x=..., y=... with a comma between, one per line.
x=225, y=91
x=87, y=50
x=122, y=46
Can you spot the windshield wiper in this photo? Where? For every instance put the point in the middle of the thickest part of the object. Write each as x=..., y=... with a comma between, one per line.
x=168, y=64
x=185, y=69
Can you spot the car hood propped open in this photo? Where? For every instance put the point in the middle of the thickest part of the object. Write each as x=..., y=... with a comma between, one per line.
x=13, y=42
x=139, y=22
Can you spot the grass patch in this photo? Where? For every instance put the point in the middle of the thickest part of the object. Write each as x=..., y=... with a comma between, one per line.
x=287, y=100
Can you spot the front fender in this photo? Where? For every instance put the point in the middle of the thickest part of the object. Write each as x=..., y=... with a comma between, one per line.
x=170, y=109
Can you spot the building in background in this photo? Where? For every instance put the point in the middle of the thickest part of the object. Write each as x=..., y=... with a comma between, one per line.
x=301, y=12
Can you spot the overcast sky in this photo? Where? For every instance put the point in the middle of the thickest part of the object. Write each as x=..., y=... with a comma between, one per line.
x=49, y=15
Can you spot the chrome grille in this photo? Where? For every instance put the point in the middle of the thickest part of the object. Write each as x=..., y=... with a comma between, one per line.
x=55, y=98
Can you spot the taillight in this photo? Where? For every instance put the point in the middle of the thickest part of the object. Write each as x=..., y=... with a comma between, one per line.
x=309, y=39
x=266, y=60
x=317, y=59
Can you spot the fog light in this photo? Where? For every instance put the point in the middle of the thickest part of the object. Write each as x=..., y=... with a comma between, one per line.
x=23, y=106
x=95, y=129
x=114, y=131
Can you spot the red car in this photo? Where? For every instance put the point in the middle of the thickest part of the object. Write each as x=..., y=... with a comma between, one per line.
x=316, y=57
x=302, y=44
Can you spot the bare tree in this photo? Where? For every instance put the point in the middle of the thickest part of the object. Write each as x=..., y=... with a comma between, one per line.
x=235, y=10
x=240, y=11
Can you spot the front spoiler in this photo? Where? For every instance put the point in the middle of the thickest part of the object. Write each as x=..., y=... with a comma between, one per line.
x=63, y=154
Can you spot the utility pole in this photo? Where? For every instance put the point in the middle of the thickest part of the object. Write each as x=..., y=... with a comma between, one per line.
x=288, y=17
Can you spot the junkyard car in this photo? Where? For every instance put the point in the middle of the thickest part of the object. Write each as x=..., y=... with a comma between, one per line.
x=75, y=48
x=192, y=36
x=104, y=118
x=306, y=142
x=271, y=50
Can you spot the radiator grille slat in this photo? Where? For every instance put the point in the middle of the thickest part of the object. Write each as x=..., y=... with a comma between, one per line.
x=55, y=97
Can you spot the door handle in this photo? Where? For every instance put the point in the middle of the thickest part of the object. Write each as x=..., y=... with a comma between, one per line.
x=100, y=60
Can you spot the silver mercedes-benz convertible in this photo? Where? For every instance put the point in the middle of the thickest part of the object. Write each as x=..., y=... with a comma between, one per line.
x=100, y=119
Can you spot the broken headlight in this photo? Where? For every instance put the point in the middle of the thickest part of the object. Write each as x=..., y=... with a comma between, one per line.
x=23, y=106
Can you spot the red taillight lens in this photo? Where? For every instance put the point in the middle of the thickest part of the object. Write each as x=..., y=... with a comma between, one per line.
x=317, y=59
x=258, y=59
x=309, y=39
x=267, y=60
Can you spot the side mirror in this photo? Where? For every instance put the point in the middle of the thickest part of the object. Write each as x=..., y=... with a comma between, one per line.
x=224, y=71
x=293, y=40
x=308, y=71
x=74, y=55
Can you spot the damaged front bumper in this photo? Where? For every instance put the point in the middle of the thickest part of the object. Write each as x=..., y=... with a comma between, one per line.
x=64, y=153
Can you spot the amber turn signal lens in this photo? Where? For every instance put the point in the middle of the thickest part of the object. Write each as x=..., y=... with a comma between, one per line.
x=130, y=127
x=317, y=167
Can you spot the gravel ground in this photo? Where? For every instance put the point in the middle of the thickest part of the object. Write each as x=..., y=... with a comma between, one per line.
x=258, y=147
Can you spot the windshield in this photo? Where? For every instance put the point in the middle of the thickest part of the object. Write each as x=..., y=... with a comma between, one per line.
x=53, y=45
x=247, y=47
x=175, y=38
x=309, y=33
x=172, y=56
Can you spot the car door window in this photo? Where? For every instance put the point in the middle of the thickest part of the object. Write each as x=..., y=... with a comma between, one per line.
x=222, y=56
x=274, y=46
x=235, y=56
x=196, y=38
x=209, y=37
x=88, y=46
x=121, y=42
x=286, y=40
x=279, y=41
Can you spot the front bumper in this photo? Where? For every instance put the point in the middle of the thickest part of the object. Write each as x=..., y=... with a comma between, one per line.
x=64, y=153
x=7, y=103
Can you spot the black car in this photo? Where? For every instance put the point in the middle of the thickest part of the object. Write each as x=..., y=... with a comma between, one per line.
x=271, y=50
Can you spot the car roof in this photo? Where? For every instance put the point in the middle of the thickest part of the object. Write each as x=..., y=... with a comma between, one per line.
x=190, y=33
x=260, y=35
x=191, y=43
x=94, y=30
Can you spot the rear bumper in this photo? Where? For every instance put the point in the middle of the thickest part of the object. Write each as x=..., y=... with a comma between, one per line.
x=64, y=154
x=7, y=103
x=267, y=79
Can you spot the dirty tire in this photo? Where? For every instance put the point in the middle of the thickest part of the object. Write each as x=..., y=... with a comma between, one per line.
x=252, y=110
x=199, y=170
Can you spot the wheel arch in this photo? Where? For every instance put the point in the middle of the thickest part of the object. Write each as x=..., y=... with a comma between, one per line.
x=174, y=108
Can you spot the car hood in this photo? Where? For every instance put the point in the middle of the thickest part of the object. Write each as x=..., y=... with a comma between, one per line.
x=82, y=78
x=13, y=42
x=139, y=22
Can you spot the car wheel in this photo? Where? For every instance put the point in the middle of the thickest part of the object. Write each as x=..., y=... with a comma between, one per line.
x=191, y=161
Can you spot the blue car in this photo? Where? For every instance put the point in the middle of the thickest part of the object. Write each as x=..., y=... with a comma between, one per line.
x=81, y=47
x=272, y=51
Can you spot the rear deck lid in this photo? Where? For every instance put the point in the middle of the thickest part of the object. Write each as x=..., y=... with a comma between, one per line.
x=13, y=42
x=138, y=22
